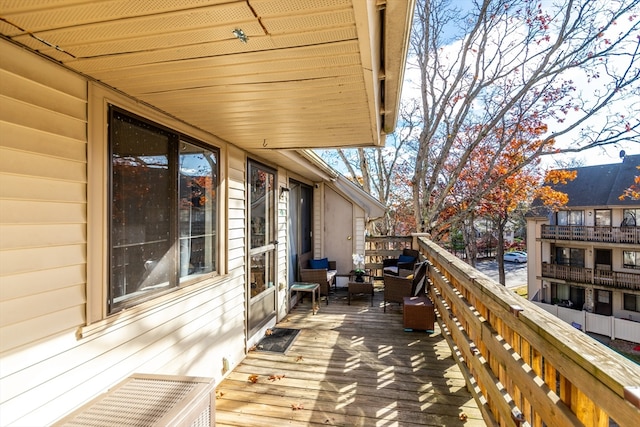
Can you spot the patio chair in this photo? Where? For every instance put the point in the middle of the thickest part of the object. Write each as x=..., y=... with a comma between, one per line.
x=406, y=261
x=398, y=287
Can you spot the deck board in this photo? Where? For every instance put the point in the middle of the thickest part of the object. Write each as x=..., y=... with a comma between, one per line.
x=351, y=365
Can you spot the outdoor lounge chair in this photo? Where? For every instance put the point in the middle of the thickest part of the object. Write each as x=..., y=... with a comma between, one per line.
x=398, y=287
x=406, y=261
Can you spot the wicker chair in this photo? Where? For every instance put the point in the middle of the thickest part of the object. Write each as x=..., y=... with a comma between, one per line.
x=320, y=276
x=394, y=265
x=398, y=287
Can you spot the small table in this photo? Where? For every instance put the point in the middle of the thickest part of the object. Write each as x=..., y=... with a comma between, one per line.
x=307, y=287
x=364, y=287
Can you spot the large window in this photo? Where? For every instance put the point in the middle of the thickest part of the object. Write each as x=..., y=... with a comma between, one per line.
x=631, y=259
x=163, y=210
x=570, y=217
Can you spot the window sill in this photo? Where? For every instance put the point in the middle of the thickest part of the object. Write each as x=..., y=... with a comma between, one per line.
x=133, y=314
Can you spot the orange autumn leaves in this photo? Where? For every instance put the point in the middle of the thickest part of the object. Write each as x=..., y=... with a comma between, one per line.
x=550, y=197
x=633, y=192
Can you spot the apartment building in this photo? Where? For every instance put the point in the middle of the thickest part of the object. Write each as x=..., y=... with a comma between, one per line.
x=587, y=255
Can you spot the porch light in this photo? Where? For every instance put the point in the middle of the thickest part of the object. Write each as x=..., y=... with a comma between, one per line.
x=283, y=190
x=240, y=35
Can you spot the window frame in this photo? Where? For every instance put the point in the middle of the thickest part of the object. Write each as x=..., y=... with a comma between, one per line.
x=96, y=319
x=630, y=217
x=175, y=140
x=570, y=214
x=635, y=255
x=599, y=215
x=626, y=302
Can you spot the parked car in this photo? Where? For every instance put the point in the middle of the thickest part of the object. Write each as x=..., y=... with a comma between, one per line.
x=515, y=257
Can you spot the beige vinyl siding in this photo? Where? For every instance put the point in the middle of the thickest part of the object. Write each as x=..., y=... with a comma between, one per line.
x=43, y=123
x=359, y=229
x=52, y=361
x=283, y=243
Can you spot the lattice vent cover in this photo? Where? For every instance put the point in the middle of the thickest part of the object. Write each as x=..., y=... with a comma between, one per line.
x=138, y=402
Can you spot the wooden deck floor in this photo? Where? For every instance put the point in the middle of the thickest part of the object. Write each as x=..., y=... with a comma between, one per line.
x=349, y=366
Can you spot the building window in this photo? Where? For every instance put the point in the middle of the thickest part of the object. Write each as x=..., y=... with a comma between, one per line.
x=631, y=259
x=163, y=226
x=630, y=217
x=632, y=302
x=570, y=218
x=570, y=256
x=603, y=217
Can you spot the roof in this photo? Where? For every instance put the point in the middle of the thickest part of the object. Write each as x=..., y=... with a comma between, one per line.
x=597, y=186
x=309, y=74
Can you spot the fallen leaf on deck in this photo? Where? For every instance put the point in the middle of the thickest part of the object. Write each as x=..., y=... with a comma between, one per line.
x=299, y=359
x=253, y=378
x=219, y=394
x=275, y=377
x=297, y=406
x=268, y=332
x=252, y=348
x=462, y=416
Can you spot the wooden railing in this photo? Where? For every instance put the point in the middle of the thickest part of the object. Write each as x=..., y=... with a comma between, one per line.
x=613, y=279
x=523, y=365
x=381, y=247
x=592, y=234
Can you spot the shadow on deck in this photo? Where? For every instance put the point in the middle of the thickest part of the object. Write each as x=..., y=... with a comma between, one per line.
x=351, y=365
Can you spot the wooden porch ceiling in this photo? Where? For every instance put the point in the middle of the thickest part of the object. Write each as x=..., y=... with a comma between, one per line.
x=351, y=365
x=313, y=73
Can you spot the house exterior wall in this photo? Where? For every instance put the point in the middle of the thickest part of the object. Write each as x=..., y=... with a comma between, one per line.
x=58, y=347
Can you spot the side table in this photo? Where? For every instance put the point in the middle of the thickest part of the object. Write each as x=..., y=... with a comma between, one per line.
x=418, y=313
x=308, y=287
x=365, y=287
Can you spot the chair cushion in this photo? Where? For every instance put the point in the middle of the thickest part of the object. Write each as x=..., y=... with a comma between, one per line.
x=391, y=270
x=406, y=258
x=319, y=263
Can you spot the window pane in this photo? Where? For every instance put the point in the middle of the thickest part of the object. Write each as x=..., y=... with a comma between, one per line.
x=197, y=209
x=576, y=218
x=262, y=210
x=631, y=259
x=630, y=217
x=577, y=257
x=603, y=217
x=141, y=254
x=563, y=218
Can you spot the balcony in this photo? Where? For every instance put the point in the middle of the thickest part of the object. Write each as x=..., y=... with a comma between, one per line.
x=611, y=279
x=352, y=365
x=583, y=233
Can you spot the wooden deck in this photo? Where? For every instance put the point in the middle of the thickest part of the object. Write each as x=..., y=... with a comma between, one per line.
x=349, y=366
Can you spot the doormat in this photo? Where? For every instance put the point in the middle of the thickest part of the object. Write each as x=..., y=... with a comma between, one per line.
x=279, y=341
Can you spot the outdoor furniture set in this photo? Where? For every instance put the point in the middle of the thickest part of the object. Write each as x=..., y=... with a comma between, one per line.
x=405, y=283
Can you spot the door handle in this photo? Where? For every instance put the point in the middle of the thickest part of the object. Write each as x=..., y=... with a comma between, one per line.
x=348, y=237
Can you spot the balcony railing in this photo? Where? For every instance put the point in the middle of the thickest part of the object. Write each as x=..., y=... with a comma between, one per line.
x=612, y=279
x=585, y=233
x=522, y=364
